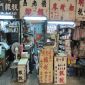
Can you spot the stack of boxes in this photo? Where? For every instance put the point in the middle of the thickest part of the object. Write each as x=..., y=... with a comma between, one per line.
x=46, y=66
x=60, y=66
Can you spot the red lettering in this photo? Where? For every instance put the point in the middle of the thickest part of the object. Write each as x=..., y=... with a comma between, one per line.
x=81, y=3
x=45, y=67
x=61, y=73
x=71, y=8
x=61, y=80
x=54, y=7
x=45, y=59
x=28, y=11
x=62, y=7
x=40, y=11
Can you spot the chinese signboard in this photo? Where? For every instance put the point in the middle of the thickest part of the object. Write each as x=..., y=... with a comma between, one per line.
x=46, y=66
x=10, y=7
x=80, y=11
x=60, y=65
x=62, y=9
x=38, y=7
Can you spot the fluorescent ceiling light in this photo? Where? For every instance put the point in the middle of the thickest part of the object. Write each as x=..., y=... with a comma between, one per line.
x=64, y=23
x=61, y=22
x=6, y=17
x=34, y=18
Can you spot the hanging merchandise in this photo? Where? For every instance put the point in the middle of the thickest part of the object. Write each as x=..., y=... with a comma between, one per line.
x=80, y=32
x=76, y=32
x=64, y=41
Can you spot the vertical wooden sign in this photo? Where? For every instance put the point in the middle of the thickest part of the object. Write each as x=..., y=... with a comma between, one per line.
x=46, y=66
x=60, y=66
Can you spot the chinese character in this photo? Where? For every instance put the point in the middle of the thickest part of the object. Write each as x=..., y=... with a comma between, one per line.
x=16, y=7
x=71, y=8
x=43, y=3
x=13, y=6
x=28, y=11
x=46, y=72
x=80, y=11
x=62, y=7
x=61, y=73
x=7, y=7
x=34, y=3
x=45, y=59
x=45, y=67
x=54, y=7
x=81, y=3
x=9, y=1
x=40, y=11
x=61, y=80
x=25, y=3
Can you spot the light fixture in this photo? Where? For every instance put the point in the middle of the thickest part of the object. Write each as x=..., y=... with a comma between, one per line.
x=35, y=18
x=6, y=17
x=66, y=23
x=61, y=22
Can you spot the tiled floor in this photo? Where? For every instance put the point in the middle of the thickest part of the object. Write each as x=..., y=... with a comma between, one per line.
x=5, y=79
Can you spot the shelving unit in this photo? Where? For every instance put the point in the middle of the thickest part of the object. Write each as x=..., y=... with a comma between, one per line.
x=11, y=33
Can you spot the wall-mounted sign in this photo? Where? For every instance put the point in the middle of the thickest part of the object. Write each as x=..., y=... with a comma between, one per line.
x=10, y=6
x=62, y=9
x=80, y=10
x=38, y=7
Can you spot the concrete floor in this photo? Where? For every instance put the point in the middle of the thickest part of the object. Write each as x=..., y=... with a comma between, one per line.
x=5, y=79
